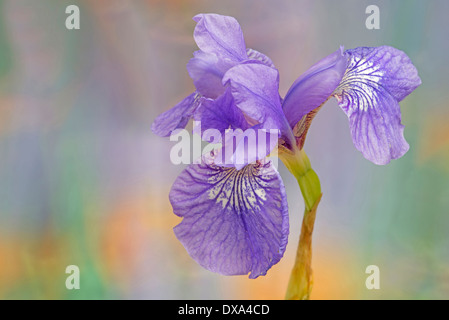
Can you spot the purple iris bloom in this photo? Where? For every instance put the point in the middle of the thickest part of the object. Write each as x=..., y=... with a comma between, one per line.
x=235, y=218
x=222, y=46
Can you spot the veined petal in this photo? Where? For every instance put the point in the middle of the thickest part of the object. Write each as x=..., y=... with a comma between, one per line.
x=234, y=221
x=375, y=81
x=177, y=117
x=207, y=71
x=220, y=35
x=314, y=87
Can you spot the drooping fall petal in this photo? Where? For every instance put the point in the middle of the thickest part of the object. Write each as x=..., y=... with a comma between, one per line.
x=375, y=81
x=235, y=222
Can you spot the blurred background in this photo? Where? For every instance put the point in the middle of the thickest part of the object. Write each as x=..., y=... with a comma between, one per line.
x=84, y=181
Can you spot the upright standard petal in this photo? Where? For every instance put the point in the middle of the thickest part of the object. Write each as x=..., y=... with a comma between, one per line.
x=234, y=221
x=177, y=117
x=255, y=88
x=314, y=87
x=220, y=35
x=207, y=71
x=375, y=81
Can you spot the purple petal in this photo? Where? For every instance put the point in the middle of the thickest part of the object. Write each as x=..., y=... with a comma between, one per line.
x=375, y=81
x=234, y=222
x=220, y=35
x=220, y=114
x=241, y=144
x=255, y=88
x=207, y=70
x=177, y=117
x=391, y=68
x=314, y=87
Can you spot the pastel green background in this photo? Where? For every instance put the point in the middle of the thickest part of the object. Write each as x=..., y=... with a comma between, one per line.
x=84, y=181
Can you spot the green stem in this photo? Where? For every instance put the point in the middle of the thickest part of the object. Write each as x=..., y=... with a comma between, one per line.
x=301, y=281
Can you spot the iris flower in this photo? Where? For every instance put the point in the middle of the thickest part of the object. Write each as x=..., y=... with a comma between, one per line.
x=235, y=217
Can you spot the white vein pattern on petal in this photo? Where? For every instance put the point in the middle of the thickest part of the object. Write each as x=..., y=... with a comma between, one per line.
x=362, y=78
x=247, y=232
x=368, y=95
x=241, y=190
